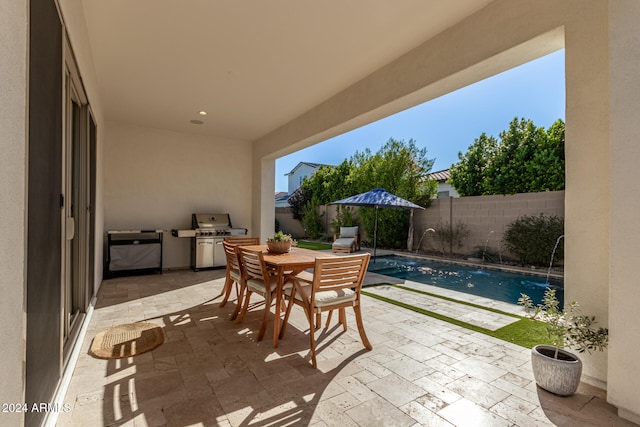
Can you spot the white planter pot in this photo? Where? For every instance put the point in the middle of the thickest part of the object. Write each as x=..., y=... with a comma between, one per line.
x=559, y=376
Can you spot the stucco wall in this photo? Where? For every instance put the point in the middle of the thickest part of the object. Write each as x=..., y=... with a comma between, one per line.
x=486, y=217
x=13, y=86
x=624, y=236
x=588, y=167
x=155, y=179
x=288, y=224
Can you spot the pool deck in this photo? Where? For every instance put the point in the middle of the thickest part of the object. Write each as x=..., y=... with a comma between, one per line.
x=211, y=371
x=462, y=312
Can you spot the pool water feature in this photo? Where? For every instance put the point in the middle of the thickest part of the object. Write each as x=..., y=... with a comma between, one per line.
x=472, y=279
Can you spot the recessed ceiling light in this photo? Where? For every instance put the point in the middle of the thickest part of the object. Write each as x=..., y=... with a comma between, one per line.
x=202, y=113
x=197, y=122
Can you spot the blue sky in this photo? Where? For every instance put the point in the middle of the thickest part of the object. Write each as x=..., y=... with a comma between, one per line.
x=449, y=124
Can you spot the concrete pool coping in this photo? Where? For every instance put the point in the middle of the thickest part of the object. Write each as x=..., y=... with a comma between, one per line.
x=532, y=271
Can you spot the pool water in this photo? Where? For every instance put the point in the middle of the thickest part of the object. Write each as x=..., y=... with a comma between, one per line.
x=489, y=283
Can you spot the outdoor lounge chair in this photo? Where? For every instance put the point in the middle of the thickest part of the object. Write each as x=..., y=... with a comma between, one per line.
x=347, y=241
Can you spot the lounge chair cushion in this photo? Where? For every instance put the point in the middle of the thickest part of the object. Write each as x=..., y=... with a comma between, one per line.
x=348, y=232
x=344, y=243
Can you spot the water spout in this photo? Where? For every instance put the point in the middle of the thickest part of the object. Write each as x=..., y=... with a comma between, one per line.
x=486, y=243
x=422, y=237
x=552, y=255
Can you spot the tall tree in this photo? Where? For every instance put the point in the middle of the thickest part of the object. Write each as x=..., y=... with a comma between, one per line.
x=400, y=167
x=507, y=169
x=546, y=171
x=527, y=159
x=467, y=176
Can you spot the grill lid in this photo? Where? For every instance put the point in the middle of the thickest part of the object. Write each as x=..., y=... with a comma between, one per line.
x=211, y=221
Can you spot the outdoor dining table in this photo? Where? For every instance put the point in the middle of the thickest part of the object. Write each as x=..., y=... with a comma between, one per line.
x=293, y=262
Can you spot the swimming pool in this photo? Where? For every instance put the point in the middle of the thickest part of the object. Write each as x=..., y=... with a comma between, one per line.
x=489, y=283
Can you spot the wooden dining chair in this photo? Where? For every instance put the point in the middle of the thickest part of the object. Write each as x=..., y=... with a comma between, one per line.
x=243, y=240
x=256, y=279
x=234, y=273
x=336, y=284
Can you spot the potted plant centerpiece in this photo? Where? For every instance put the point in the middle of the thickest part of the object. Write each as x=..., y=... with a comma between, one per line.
x=280, y=243
x=554, y=368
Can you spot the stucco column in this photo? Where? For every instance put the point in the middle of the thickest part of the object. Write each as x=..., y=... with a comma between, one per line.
x=587, y=216
x=13, y=134
x=263, y=205
x=624, y=240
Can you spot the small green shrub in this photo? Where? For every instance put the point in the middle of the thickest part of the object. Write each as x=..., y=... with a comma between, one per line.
x=532, y=239
x=565, y=326
x=450, y=237
x=344, y=218
x=393, y=225
x=312, y=220
x=486, y=254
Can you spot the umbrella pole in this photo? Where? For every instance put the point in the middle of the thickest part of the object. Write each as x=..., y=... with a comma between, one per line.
x=375, y=236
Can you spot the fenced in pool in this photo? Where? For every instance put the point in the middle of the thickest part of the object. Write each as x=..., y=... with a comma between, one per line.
x=472, y=279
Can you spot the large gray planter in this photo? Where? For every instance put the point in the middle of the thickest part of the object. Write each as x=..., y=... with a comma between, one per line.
x=559, y=376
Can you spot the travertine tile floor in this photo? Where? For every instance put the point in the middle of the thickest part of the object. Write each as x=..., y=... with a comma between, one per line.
x=211, y=371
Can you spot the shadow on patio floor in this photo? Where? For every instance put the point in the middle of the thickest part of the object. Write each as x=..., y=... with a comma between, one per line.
x=211, y=371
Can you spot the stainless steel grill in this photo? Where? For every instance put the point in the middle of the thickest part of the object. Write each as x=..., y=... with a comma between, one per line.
x=207, y=234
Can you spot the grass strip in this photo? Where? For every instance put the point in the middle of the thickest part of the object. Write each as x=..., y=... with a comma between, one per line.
x=470, y=304
x=315, y=246
x=525, y=332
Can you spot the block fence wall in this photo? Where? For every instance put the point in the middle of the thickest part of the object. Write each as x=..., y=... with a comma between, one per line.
x=486, y=218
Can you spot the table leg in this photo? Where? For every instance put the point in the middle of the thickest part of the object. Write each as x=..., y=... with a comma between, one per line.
x=276, y=318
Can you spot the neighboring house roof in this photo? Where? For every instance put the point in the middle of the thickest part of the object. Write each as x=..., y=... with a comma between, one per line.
x=310, y=164
x=282, y=199
x=440, y=176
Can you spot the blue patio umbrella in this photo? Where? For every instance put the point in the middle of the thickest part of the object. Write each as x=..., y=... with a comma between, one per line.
x=377, y=198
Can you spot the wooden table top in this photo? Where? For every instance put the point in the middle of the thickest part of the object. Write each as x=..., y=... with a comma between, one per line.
x=295, y=257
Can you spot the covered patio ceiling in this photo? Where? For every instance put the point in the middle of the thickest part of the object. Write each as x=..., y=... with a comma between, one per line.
x=252, y=66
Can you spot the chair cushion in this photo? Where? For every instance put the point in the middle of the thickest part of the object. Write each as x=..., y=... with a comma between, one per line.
x=343, y=243
x=257, y=285
x=326, y=298
x=348, y=231
x=235, y=275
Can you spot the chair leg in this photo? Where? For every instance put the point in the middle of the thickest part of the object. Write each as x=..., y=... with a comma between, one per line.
x=312, y=336
x=245, y=306
x=265, y=318
x=239, y=302
x=326, y=326
x=363, y=336
x=318, y=320
x=342, y=313
x=228, y=284
x=283, y=327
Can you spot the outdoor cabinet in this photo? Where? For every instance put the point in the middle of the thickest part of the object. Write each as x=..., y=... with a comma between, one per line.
x=132, y=252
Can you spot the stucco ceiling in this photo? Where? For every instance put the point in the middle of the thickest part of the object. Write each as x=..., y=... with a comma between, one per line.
x=252, y=65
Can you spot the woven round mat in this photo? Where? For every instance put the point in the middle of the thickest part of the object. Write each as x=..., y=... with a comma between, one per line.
x=126, y=340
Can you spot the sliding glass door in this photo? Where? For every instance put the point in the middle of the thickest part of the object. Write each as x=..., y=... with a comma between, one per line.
x=76, y=207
